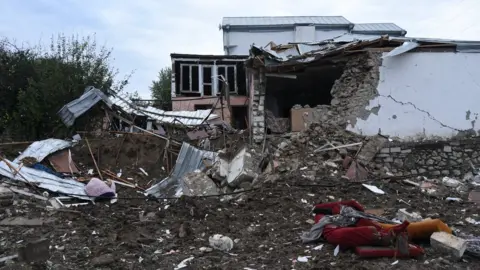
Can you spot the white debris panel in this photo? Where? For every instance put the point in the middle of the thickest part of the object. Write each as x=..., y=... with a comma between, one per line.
x=42, y=149
x=43, y=180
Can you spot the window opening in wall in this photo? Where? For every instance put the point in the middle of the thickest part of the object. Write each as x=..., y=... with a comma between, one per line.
x=185, y=82
x=195, y=79
x=229, y=73
x=207, y=81
x=311, y=87
x=239, y=117
x=231, y=78
x=189, y=78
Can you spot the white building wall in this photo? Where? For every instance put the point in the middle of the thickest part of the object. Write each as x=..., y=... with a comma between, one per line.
x=425, y=95
x=240, y=41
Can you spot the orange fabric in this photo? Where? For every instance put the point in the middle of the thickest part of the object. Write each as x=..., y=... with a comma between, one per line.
x=422, y=230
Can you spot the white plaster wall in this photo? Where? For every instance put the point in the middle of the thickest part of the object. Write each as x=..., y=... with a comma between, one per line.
x=243, y=40
x=425, y=95
x=328, y=34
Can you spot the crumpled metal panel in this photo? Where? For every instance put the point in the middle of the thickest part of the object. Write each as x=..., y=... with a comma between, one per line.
x=405, y=47
x=188, y=118
x=44, y=180
x=189, y=159
x=79, y=106
x=41, y=149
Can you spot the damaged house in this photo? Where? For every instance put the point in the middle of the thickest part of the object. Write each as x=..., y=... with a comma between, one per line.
x=203, y=82
x=198, y=80
x=408, y=88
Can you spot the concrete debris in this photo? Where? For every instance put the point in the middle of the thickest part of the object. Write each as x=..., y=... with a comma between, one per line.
x=220, y=242
x=198, y=184
x=403, y=215
x=242, y=168
x=450, y=182
x=449, y=244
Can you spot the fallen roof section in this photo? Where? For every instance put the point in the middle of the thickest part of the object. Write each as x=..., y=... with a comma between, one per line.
x=79, y=106
x=273, y=56
x=41, y=149
x=92, y=96
x=189, y=159
x=43, y=180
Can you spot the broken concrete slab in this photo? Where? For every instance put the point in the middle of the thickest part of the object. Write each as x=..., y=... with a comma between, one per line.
x=448, y=244
x=198, y=184
x=22, y=221
x=241, y=168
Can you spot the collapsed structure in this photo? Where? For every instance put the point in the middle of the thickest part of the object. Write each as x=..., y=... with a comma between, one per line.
x=362, y=108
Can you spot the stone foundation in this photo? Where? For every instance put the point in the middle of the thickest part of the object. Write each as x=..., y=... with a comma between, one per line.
x=431, y=159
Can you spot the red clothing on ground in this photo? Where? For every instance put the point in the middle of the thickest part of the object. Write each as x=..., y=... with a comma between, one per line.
x=365, y=233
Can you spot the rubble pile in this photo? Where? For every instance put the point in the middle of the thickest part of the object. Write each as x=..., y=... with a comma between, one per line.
x=318, y=150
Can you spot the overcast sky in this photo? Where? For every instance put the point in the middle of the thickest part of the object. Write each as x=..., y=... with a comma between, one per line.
x=143, y=33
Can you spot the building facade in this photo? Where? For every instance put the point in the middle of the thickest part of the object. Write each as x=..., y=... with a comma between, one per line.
x=239, y=33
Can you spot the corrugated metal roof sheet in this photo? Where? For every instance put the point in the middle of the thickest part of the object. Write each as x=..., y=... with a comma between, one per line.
x=284, y=20
x=41, y=149
x=44, y=180
x=377, y=27
x=189, y=159
x=188, y=118
x=92, y=96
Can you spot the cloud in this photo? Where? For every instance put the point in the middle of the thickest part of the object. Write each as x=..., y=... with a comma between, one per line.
x=143, y=33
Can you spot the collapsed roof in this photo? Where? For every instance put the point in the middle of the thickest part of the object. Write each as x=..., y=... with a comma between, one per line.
x=92, y=96
x=295, y=56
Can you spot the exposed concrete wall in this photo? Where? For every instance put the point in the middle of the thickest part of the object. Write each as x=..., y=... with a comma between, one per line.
x=444, y=158
x=188, y=104
x=424, y=95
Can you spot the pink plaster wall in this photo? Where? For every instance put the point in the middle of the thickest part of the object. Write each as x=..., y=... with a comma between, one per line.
x=188, y=104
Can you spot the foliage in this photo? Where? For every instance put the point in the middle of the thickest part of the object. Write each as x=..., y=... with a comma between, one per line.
x=161, y=88
x=36, y=82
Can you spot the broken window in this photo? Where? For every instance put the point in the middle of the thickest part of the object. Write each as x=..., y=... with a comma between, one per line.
x=207, y=81
x=228, y=73
x=189, y=78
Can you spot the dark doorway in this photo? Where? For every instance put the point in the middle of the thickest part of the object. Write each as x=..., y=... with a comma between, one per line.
x=311, y=87
x=239, y=117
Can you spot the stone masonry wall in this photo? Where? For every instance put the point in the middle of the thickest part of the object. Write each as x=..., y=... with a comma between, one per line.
x=433, y=159
x=352, y=92
x=258, y=106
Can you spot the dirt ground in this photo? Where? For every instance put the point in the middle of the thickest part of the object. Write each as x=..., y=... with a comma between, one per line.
x=265, y=224
x=136, y=233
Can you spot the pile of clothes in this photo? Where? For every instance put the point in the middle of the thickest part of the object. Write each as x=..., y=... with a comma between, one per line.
x=345, y=224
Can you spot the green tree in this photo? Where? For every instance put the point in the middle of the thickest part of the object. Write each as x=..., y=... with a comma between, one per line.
x=36, y=82
x=161, y=88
